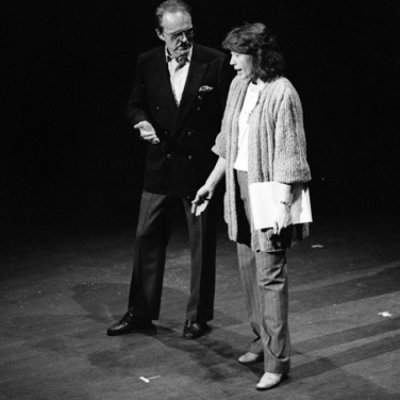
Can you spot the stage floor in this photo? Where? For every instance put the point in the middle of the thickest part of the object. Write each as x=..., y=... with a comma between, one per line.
x=60, y=292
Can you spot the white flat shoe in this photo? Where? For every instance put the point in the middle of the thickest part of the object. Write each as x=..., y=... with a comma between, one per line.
x=249, y=357
x=270, y=380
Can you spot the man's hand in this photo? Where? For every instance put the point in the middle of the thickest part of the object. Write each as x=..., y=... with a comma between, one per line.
x=147, y=132
x=200, y=202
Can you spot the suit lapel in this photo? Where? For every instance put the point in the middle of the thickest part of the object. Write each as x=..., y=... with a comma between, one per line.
x=161, y=81
x=193, y=82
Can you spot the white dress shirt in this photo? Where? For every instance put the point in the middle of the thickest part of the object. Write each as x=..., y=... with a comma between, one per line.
x=178, y=75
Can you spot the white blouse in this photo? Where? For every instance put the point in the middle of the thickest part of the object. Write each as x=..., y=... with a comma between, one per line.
x=250, y=101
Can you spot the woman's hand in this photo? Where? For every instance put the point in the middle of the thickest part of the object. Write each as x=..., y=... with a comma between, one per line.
x=206, y=192
x=201, y=200
x=282, y=219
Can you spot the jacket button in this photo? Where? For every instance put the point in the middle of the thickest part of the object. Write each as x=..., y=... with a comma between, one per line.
x=169, y=155
x=190, y=157
x=189, y=133
x=157, y=108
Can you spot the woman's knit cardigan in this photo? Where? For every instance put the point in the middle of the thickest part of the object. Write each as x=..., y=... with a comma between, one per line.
x=277, y=146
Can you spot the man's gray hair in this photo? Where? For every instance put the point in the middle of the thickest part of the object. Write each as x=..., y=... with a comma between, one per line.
x=171, y=6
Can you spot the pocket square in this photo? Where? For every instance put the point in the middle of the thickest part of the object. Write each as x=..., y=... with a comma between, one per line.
x=205, y=89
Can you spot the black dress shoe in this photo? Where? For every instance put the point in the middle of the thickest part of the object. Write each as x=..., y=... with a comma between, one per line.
x=193, y=330
x=129, y=323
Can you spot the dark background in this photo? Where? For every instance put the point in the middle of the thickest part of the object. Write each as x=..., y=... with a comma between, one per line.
x=69, y=161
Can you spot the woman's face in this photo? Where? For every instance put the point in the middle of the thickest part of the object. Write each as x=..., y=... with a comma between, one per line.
x=242, y=64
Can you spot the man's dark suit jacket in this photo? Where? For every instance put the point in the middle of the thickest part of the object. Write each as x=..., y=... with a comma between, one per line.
x=182, y=161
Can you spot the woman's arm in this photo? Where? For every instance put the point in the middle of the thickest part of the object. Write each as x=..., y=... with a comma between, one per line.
x=282, y=219
x=290, y=153
x=206, y=192
x=290, y=150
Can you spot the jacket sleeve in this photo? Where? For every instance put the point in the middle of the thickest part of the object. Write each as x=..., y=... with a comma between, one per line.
x=220, y=146
x=225, y=77
x=290, y=155
x=137, y=106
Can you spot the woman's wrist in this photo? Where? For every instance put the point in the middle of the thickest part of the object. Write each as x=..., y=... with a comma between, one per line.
x=211, y=184
x=285, y=203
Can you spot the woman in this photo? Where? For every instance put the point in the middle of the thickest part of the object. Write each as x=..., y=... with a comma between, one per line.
x=262, y=139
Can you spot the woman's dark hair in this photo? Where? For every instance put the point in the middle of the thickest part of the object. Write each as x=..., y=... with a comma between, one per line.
x=255, y=39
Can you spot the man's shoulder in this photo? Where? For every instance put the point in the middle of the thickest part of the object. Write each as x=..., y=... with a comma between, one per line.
x=152, y=53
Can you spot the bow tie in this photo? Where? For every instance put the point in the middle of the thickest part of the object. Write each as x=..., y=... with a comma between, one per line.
x=182, y=60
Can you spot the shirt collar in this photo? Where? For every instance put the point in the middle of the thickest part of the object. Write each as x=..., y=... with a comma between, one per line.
x=188, y=55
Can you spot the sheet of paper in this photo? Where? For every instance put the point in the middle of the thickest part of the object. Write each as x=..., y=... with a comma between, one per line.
x=264, y=202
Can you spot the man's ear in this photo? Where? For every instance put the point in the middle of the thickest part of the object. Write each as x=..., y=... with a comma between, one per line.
x=160, y=35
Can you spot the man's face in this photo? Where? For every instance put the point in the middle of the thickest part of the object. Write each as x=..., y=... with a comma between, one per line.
x=177, y=32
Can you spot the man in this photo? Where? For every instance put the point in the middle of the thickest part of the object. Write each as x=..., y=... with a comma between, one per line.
x=176, y=103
